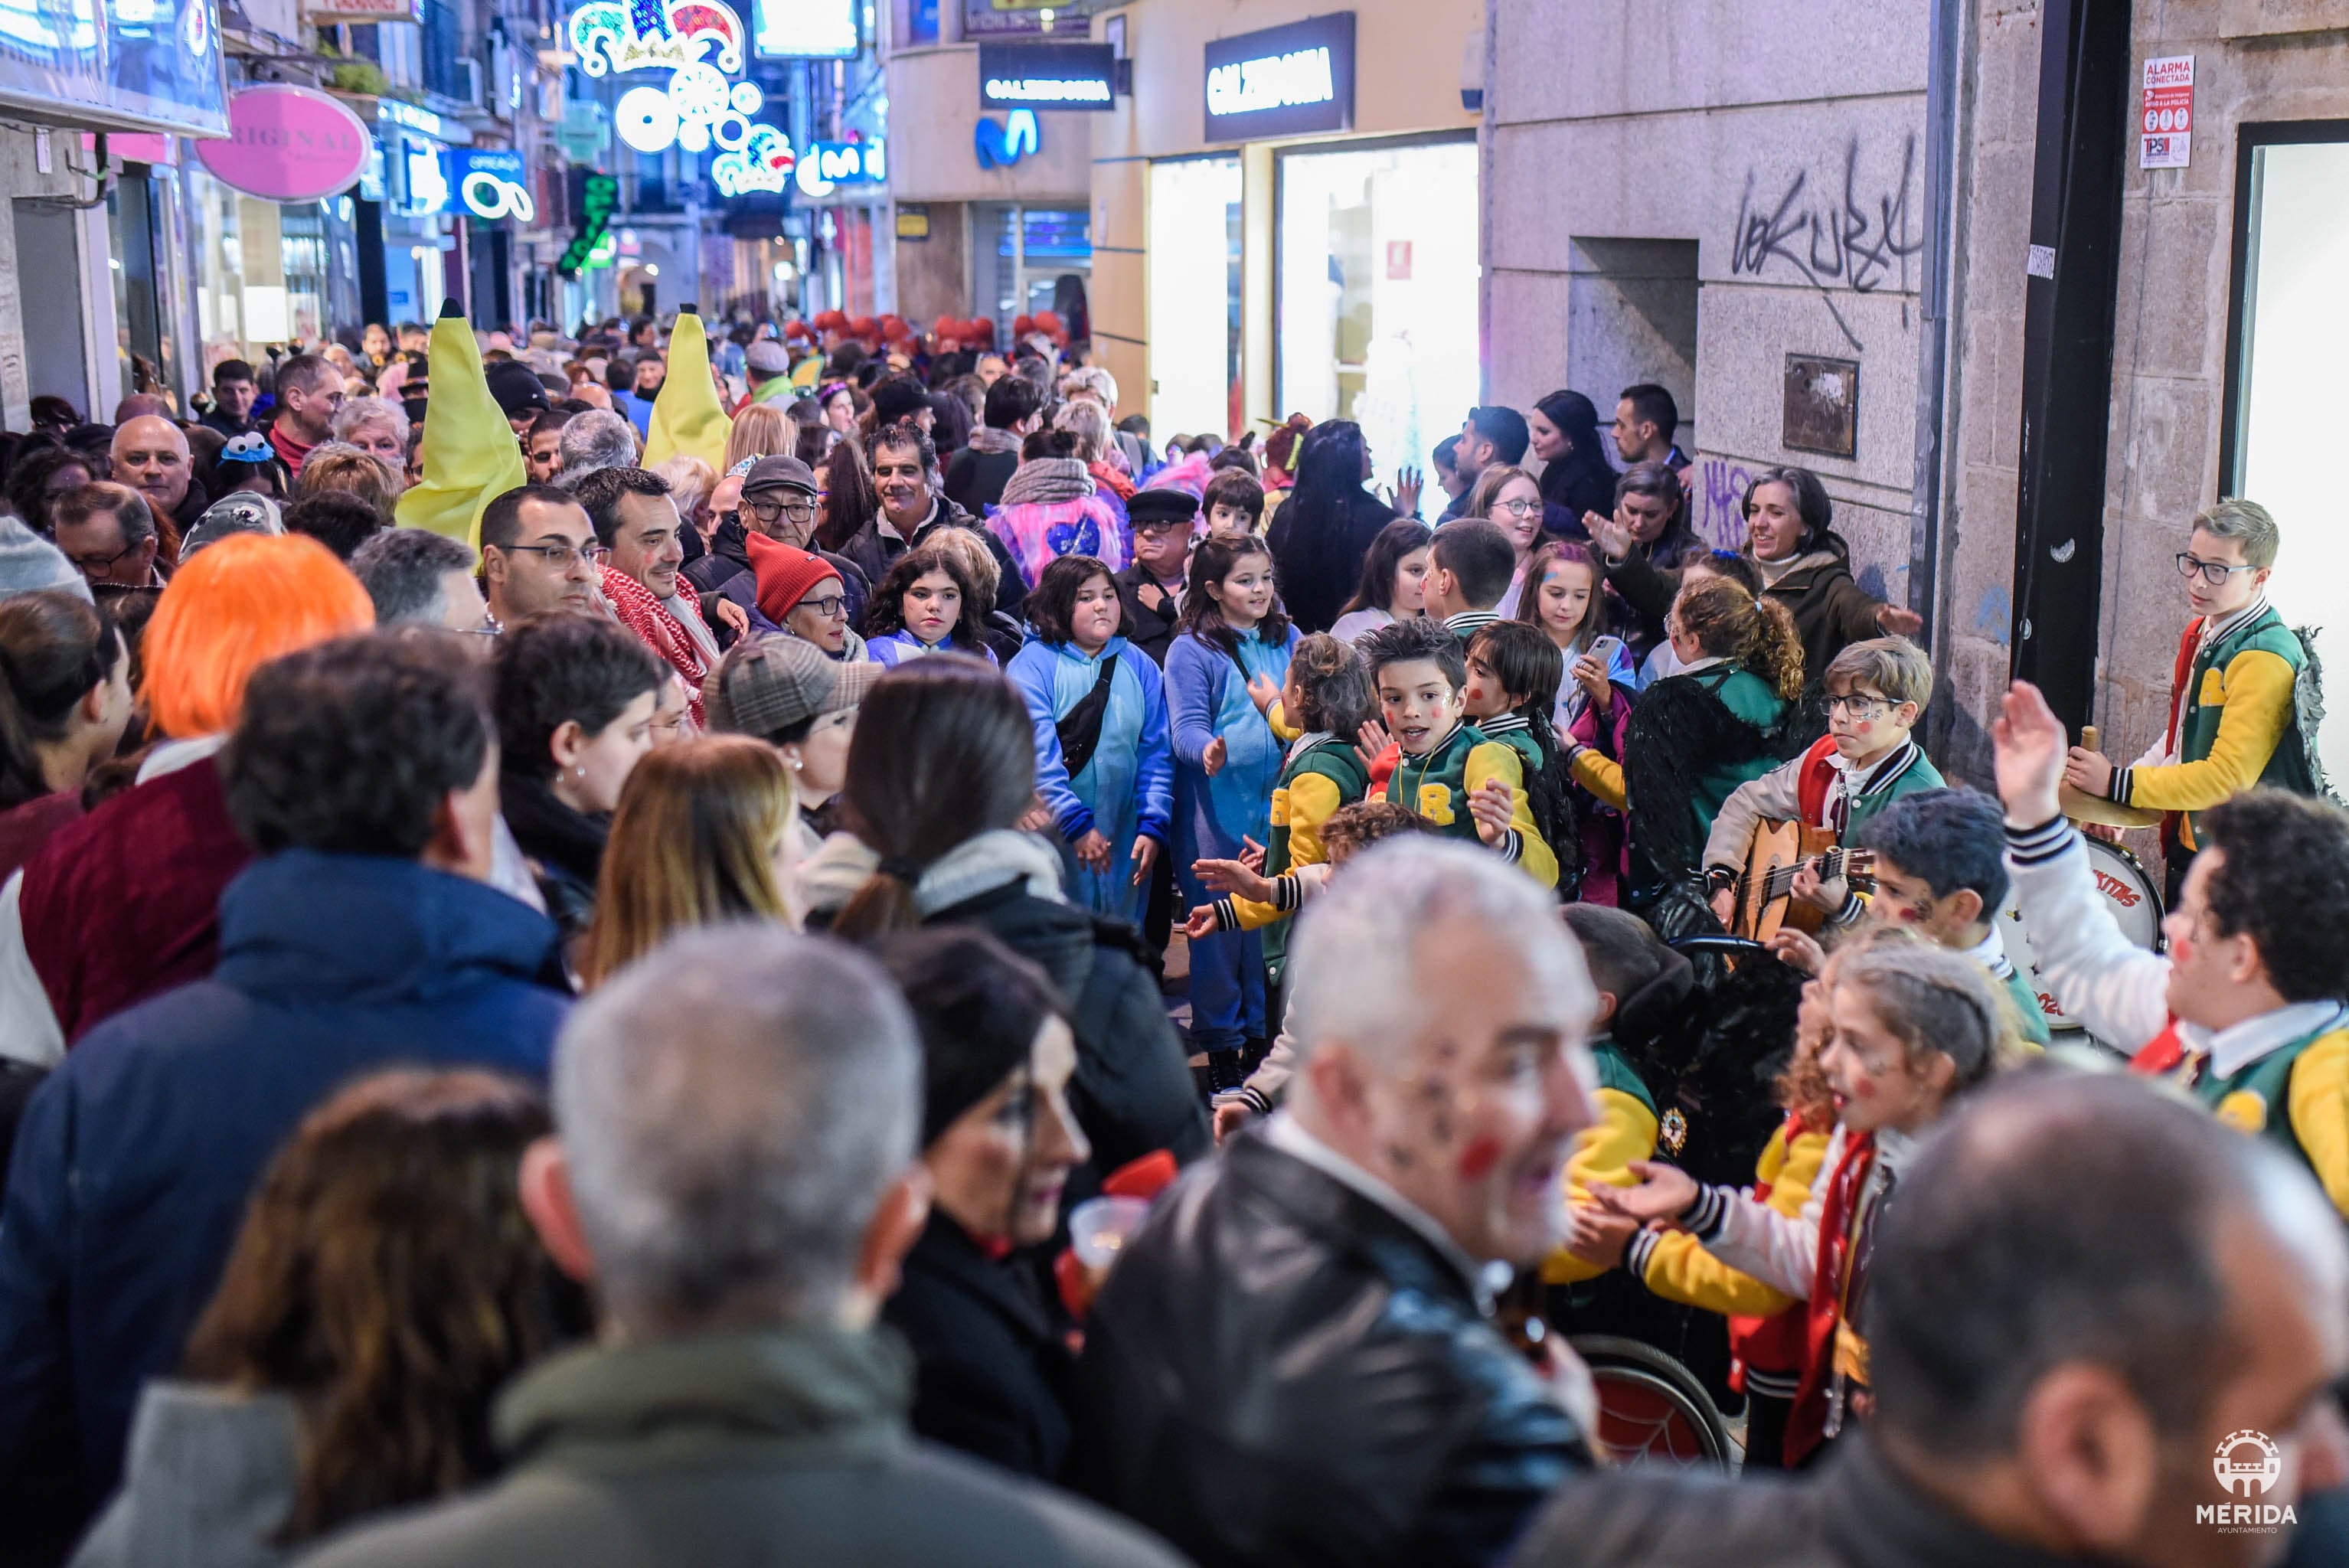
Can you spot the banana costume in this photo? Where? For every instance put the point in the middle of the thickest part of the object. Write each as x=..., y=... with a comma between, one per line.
x=688, y=420
x=471, y=456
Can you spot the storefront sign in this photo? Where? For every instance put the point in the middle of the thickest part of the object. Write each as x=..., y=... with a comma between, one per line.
x=362, y=11
x=999, y=146
x=288, y=144
x=807, y=29
x=1284, y=81
x=2166, y=136
x=1047, y=75
x=495, y=185
x=828, y=164
x=127, y=65
x=762, y=161
x=912, y=222
x=423, y=177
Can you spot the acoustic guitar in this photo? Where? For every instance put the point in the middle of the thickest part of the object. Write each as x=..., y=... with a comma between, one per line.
x=1766, y=890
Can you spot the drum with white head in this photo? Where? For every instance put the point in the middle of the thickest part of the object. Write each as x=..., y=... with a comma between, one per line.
x=2128, y=892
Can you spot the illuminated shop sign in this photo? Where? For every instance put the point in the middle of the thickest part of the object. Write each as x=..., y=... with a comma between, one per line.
x=1283, y=81
x=828, y=164
x=1002, y=144
x=1047, y=75
x=698, y=42
x=495, y=185
x=807, y=29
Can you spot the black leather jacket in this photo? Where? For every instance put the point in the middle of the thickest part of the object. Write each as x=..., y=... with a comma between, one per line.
x=1280, y=1371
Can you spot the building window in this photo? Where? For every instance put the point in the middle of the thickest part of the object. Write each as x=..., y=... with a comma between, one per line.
x=2287, y=401
x=444, y=48
x=1378, y=284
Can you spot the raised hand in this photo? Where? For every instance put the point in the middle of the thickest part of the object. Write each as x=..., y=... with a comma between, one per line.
x=1612, y=534
x=1899, y=621
x=1370, y=740
x=1404, y=497
x=1492, y=803
x=1263, y=691
x=2030, y=746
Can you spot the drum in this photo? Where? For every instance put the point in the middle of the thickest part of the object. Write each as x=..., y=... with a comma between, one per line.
x=2128, y=892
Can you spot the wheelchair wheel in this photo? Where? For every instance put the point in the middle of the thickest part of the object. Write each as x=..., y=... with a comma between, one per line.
x=1650, y=1407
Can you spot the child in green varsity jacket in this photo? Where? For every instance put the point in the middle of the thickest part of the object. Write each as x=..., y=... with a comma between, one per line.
x=1514, y=673
x=1440, y=766
x=1327, y=689
x=2240, y=686
x=1876, y=691
x=1625, y=958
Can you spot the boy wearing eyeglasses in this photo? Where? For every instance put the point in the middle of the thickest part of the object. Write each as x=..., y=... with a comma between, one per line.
x=1876, y=690
x=2234, y=713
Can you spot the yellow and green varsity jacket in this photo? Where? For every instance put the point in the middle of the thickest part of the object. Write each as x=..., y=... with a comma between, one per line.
x=2237, y=724
x=1438, y=785
x=1321, y=774
x=1603, y=1151
x=2298, y=1094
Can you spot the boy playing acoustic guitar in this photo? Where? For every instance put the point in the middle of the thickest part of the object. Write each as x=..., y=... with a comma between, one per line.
x=1875, y=692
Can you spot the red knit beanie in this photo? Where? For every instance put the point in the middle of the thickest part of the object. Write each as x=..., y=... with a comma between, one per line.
x=785, y=575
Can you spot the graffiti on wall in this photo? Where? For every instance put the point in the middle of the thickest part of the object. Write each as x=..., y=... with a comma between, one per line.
x=1861, y=233
x=1718, y=497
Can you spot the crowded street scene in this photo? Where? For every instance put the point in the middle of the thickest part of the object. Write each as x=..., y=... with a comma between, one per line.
x=916, y=783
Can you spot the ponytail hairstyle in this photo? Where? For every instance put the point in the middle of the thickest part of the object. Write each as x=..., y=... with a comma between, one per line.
x=944, y=751
x=1728, y=622
x=55, y=648
x=1334, y=681
x=1214, y=559
x=1524, y=659
x=1930, y=999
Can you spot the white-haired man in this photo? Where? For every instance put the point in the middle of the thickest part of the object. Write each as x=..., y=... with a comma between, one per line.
x=737, y=1178
x=1291, y=1362
x=597, y=439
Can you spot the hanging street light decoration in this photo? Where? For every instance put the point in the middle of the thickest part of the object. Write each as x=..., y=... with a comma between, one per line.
x=698, y=42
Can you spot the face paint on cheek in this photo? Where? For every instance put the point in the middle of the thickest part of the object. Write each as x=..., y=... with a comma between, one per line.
x=1863, y=1088
x=1477, y=1160
x=1866, y=727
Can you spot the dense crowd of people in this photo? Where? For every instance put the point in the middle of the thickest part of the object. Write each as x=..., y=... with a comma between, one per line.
x=819, y=950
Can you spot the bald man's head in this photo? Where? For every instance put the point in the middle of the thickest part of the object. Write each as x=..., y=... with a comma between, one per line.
x=151, y=455
x=2083, y=1286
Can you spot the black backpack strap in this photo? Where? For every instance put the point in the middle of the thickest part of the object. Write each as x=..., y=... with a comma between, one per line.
x=1080, y=728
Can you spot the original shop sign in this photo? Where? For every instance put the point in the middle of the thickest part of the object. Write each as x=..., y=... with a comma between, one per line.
x=1295, y=80
x=1047, y=75
x=495, y=185
x=831, y=164
x=288, y=144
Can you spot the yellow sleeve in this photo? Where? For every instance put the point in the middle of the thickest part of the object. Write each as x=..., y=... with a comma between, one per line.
x=1277, y=716
x=1313, y=799
x=1602, y=776
x=1680, y=1269
x=2257, y=697
x=1603, y=1152
x=1493, y=761
x=2318, y=1100
x=1249, y=915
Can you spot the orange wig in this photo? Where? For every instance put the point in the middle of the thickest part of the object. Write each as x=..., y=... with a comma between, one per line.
x=231, y=609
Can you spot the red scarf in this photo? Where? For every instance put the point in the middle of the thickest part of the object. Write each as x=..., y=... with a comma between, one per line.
x=661, y=632
x=1769, y=1344
x=291, y=451
x=1807, y=1425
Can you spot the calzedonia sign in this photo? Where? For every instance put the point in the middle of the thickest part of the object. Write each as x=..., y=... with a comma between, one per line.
x=1047, y=75
x=1295, y=80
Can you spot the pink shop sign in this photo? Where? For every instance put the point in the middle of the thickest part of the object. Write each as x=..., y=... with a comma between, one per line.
x=288, y=144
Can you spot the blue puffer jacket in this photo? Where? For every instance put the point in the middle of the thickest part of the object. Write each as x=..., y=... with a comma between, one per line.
x=135, y=1158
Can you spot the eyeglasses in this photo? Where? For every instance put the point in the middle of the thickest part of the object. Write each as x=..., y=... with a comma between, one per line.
x=562, y=557
x=2214, y=573
x=1517, y=508
x=1859, y=708
x=767, y=510
x=827, y=608
x=91, y=565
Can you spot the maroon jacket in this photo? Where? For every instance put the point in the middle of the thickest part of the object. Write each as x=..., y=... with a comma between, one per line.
x=24, y=829
x=125, y=902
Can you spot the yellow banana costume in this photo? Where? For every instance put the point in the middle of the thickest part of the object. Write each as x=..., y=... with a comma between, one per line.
x=471, y=456
x=688, y=420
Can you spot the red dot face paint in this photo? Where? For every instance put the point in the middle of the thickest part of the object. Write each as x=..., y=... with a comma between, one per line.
x=1477, y=1160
